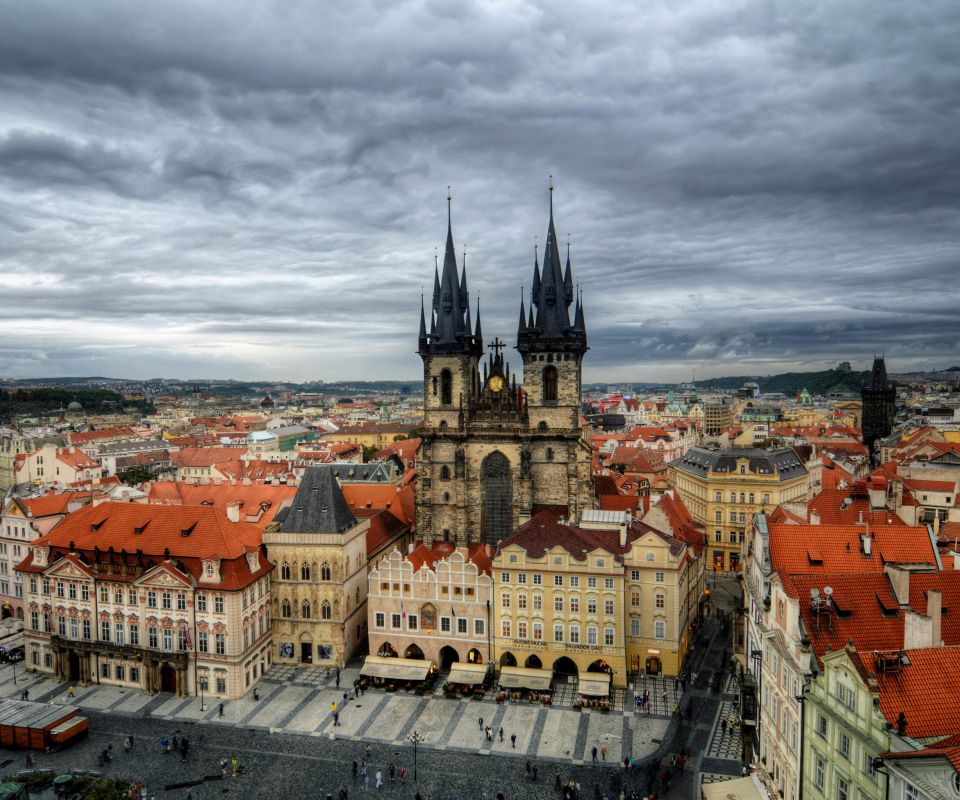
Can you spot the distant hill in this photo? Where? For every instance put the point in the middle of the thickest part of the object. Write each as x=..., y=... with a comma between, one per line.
x=831, y=380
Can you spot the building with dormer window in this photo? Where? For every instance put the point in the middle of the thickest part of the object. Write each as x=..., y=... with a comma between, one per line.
x=157, y=598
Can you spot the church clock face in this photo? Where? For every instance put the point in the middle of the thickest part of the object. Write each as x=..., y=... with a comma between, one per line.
x=496, y=383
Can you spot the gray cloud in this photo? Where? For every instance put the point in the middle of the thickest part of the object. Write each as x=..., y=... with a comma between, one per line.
x=257, y=191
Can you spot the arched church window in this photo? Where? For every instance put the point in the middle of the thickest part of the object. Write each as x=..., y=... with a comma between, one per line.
x=444, y=473
x=285, y=571
x=443, y=424
x=497, y=498
x=550, y=384
x=542, y=426
x=549, y=454
x=446, y=497
x=305, y=571
x=325, y=572
x=325, y=609
x=446, y=387
x=285, y=609
x=306, y=609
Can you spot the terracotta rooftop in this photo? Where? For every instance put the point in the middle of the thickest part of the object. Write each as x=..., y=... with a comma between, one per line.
x=926, y=691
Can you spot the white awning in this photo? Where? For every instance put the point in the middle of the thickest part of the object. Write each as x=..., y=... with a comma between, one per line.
x=470, y=674
x=594, y=684
x=522, y=678
x=748, y=788
x=398, y=669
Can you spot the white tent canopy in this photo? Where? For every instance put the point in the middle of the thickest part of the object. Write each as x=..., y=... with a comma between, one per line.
x=397, y=669
x=522, y=678
x=470, y=674
x=594, y=684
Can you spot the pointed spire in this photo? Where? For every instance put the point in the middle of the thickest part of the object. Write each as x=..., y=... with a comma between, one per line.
x=478, y=335
x=553, y=318
x=522, y=329
x=578, y=318
x=535, y=291
x=436, y=282
x=451, y=308
x=464, y=293
x=531, y=323
x=423, y=322
x=568, y=276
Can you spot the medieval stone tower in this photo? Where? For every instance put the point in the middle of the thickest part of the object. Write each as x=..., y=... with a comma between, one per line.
x=494, y=453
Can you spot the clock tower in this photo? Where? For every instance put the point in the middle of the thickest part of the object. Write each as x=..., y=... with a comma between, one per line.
x=493, y=452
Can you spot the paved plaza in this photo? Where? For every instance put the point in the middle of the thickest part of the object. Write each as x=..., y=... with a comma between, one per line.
x=290, y=747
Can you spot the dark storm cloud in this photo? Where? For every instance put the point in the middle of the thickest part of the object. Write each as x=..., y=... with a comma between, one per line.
x=257, y=190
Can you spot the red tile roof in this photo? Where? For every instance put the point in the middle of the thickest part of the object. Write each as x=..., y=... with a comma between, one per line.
x=210, y=534
x=207, y=456
x=926, y=691
x=384, y=528
x=833, y=510
x=429, y=556
x=78, y=439
x=867, y=611
x=46, y=506
x=251, y=498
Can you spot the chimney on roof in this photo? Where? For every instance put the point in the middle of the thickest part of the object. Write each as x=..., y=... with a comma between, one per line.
x=124, y=496
x=936, y=525
x=865, y=538
x=899, y=582
x=233, y=512
x=934, y=607
x=489, y=549
x=814, y=516
x=72, y=450
x=246, y=481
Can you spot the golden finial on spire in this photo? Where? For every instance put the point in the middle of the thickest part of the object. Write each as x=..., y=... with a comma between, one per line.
x=448, y=191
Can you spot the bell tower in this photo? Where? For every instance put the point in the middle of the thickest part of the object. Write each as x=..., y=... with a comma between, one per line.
x=451, y=354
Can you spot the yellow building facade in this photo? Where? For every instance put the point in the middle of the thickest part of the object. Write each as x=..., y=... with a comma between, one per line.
x=723, y=489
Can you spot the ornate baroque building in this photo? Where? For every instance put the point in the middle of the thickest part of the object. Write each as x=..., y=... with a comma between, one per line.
x=493, y=452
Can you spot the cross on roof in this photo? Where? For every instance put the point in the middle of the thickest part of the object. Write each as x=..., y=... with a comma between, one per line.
x=497, y=345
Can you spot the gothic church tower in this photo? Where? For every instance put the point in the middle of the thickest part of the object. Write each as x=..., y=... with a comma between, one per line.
x=493, y=452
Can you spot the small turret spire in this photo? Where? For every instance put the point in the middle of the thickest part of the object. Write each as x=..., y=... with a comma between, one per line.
x=478, y=335
x=522, y=329
x=423, y=322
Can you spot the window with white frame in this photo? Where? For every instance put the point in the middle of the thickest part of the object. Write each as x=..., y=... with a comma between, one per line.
x=660, y=629
x=574, y=634
x=461, y=625
x=844, y=745
x=819, y=774
x=634, y=627
x=380, y=619
x=608, y=637
x=591, y=635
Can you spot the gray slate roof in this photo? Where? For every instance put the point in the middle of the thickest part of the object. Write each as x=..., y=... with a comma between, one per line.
x=698, y=461
x=127, y=447
x=290, y=430
x=319, y=505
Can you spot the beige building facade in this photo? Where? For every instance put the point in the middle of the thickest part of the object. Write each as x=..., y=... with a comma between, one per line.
x=433, y=603
x=319, y=551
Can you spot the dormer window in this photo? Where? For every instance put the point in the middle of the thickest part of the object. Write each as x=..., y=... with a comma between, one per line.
x=210, y=570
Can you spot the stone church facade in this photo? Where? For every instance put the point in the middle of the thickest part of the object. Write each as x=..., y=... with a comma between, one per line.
x=494, y=453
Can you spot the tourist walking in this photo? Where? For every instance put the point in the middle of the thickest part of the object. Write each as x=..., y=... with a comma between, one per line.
x=379, y=778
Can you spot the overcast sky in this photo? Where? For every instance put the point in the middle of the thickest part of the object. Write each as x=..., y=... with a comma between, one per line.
x=255, y=190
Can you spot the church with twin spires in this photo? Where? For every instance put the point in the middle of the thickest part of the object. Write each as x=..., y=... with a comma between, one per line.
x=494, y=452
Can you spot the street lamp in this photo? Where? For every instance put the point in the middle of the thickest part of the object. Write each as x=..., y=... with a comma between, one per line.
x=200, y=685
x=416, y=738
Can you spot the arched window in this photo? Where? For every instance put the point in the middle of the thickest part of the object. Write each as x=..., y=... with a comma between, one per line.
x=325, y=609
x=305, y=571
x=285, y=609
x=497, y=498
x=325, y=572
x=542, y=426
x=446, y=497
x=550, y=384
x=306, y=609
x=285, y=572
x=549, y=454
x=444, y=473
x=443, y=424
x=446, y=387
x=742, y=498
x=751, y=497
x=733, y=497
